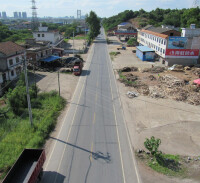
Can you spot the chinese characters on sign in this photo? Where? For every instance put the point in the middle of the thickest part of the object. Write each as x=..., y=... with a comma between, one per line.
x=182, y=53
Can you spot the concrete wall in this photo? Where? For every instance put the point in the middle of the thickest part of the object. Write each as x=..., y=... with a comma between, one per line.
x=3, y=65
x=53, y=37
x=179, y=61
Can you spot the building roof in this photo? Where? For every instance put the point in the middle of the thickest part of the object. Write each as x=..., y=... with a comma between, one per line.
x=155, y=33
x=148, y=27
x=124, y=23
x=160, y=29
x=9, y=48
x=144, y=48
x=51, y=58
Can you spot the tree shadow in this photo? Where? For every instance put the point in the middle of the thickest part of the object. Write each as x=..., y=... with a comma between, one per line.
x=168, y=163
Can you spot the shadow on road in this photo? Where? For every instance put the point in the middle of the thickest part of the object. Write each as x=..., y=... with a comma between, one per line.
x=49, y=176
x=85, y=73
x=96, y=155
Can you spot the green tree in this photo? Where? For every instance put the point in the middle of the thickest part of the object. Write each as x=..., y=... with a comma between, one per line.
x=18, y=98
x=152, y=145
x=132, y=41
x=94, y=25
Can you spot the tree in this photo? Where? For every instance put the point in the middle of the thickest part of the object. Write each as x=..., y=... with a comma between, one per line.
x=152, y=145
x=132, y=41
x=18, y=98
x=94, y=25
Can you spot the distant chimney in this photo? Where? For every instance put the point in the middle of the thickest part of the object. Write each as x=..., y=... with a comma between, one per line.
x=192, y=26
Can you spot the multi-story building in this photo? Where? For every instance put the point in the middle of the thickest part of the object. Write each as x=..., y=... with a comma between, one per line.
x=11, y=62
x=4, y=16
x=190, y=32
x=0, y=14
x=44, y=35
x=24, y=15
x=15, y=14
x=20, y=14
x=169, y=47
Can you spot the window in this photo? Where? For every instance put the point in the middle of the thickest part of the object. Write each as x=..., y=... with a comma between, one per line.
x=17, y=59
x=163, y=51
x=10, y=62
x=12, y=73
x=162, y=41
x=38, y=35
x=42, y=35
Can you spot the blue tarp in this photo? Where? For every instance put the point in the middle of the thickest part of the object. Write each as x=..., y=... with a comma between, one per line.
x=51, y=58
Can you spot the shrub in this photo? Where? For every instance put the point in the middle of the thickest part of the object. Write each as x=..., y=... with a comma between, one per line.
x=152, y=145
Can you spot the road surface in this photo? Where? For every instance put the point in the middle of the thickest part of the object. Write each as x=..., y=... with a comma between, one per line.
x=93, y=145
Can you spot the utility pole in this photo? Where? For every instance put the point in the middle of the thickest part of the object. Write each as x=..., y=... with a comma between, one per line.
x=27, y=92
x=59, y=82
x=35, y=79
x=73, y=42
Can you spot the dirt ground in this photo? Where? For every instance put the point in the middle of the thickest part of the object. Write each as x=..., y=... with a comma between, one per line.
x=177, y=124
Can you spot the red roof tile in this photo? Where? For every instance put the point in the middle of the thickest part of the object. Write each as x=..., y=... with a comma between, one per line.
x=9, y=48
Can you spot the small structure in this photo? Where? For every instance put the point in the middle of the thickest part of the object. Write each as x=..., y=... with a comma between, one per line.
x=145, y=53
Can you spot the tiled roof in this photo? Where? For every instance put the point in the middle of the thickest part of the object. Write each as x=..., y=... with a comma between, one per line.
x=9, y=48
x=160, y=29
x=155, y=33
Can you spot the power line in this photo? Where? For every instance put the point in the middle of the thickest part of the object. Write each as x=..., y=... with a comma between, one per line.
x=196, y=3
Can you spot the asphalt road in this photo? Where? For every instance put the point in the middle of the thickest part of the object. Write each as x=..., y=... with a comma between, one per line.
x=93, y=145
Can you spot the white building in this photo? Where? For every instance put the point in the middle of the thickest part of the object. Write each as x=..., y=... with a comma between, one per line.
x=11, y=62
x=153, y=40
x=169, y=46
x=44, y=35
x=190, y=32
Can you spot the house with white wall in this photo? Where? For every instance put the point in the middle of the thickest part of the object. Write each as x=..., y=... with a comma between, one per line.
x=11, y=62
x=169, y=46
x=44, y=35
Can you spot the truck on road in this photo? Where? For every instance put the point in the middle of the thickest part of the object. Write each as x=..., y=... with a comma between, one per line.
x=77, y=69
x=27, y=168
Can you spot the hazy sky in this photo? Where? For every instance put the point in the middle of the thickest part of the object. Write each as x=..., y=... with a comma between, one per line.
x=103, y=8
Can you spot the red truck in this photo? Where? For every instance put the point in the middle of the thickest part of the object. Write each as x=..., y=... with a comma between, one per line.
x=77, y=69
x=27, y=168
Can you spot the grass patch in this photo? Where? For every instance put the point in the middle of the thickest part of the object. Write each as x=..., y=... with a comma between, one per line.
x=113, y=55
x=17, y=134
x=124, y=80
x=166, y=164
x=79, y=37
x=66, y=40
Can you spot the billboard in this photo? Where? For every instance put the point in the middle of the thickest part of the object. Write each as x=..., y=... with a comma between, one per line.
x=177, y=42
x=180, y=53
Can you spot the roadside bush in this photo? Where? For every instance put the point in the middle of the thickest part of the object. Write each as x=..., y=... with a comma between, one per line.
x=152, y=145
x=17, y=98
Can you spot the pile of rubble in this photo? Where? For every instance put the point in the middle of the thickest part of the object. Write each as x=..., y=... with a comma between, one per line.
x=129, y=69
x=156, y=69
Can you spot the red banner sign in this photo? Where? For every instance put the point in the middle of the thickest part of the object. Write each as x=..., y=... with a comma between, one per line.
x=182, y=53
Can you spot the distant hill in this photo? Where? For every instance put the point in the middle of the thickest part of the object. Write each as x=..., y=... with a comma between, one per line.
x=157, y=17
